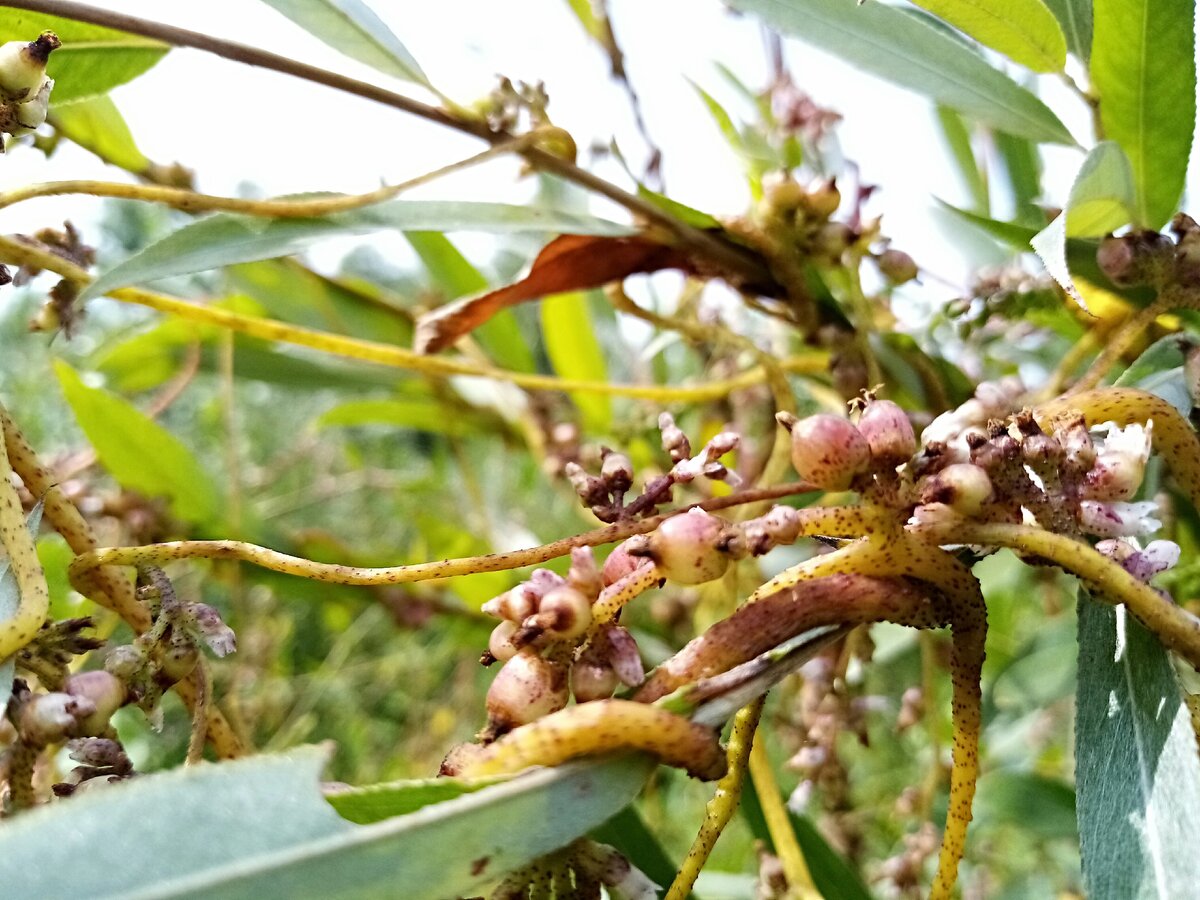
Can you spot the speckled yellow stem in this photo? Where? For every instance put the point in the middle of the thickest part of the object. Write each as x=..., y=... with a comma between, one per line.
x=724, y=803
x=33, y=597
x=603, y=726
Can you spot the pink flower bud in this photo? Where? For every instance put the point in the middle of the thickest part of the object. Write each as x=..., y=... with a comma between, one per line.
x=888, y=431
x=620, y=563
x=828, y=451
x=516, y=605
x=685, y=547
x=526, y=688
x=963, y=487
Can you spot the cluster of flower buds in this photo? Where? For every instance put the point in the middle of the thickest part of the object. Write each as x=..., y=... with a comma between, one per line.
x=103, y=762
x=545, y=608
x=170, y=650
x=831, y=452
x=992, y=400
x=24, y=86
x=804, y=216
x=1068, y=480
x=605, y=493
x=541, y=620
x=1148, y=257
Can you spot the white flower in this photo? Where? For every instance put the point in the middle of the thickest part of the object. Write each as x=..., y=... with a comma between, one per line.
x=1118, y=519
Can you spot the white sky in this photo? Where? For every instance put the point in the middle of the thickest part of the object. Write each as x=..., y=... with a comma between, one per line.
x=239, y=126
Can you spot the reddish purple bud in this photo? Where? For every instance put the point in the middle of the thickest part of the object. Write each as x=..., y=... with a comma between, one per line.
x=888, y=431
x=828, y=451
x=685, y=547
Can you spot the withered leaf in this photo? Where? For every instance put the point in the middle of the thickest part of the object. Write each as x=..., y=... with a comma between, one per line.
x=568, y=263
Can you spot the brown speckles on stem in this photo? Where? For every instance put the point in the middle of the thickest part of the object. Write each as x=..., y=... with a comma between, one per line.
x=603, y=726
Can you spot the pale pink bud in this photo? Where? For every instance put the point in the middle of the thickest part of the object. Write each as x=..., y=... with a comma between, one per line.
x=51, y=718
x=963, y=487
x=211, y=629
x=617, y=471
x=685, y=547
x=828, y=451
x=584, y=574
x=888, y=431
x=526, y=688
x=564, y=613
x=624, y=656
x=500, y=642
x=1158, y=557
x=104, y=691
x=592, y=681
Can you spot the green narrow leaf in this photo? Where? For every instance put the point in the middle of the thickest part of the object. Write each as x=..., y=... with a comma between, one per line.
x=575, y=353
x=376, y=802
x=1023, y=172
x=224, y=239
x=1100, y=201
x=351, y=27
x=587, y=18
x=958, y=141
x=1075, y=17
x=882, y=40
x=1137, y=772
x=137, y=451
x=91, y=61
x=832, y=875
x=500, y=335
x=269, y=833
x=1143, y=67
x=97, y=126
x=1023, y=30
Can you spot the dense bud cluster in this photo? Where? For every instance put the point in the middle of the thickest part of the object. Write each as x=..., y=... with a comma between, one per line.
x=24, y=86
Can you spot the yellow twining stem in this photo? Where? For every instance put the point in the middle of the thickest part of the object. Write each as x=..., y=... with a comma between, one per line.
x=1175, y=627
x=33, y=603
x=14, y=252
x=783, y=836
x=603, y=726
x=93, y=559
x=1174, y=438
x=109, y=587
x=720, y=809
x=106, y=586
x=891, y=554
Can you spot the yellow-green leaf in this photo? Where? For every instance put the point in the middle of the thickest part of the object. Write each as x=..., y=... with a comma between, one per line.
x=575, y=353
x=97, y=126
x=1023, y=30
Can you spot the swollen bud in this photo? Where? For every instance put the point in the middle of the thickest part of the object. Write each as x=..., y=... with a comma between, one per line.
x=105, y=691
x=500, y=643
x=23, y=65
x=564, y=613
x=822, y=199
x=828, y=451
x=620, y=563
x=963, y=487
x=51, y=718
x=896, y=266
x=685, y=547
x=527, y=688
x=592, y=681
x=888, y=431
